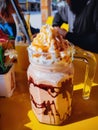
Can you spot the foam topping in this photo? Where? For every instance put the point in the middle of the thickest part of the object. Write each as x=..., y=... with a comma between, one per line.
x=49, y=47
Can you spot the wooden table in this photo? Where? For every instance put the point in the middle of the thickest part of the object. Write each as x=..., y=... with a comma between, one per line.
x=16, y=113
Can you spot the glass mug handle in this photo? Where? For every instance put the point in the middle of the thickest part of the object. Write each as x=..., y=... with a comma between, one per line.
x=91, y=64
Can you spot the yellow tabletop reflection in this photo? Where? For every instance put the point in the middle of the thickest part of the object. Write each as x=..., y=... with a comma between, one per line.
x=87, y=124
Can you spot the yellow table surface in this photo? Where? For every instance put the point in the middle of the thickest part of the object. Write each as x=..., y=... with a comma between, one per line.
x=16, y=112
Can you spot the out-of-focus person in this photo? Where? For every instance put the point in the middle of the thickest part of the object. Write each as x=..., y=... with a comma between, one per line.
x=6, y=11
x=82, y=18
x=63, y=15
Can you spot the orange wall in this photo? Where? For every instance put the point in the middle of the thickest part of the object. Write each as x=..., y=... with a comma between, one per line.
x=45, y=10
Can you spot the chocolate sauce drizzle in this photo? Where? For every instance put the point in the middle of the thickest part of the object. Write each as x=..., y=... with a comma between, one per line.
x=66, y=87
x=55, y=91
x=48, y=109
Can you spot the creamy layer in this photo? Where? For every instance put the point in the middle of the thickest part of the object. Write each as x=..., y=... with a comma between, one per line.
x=49, y=47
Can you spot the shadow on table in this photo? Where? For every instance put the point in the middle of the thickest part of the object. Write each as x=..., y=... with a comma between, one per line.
x=83, y=109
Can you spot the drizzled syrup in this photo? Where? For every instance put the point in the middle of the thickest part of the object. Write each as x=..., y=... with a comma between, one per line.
x=48, y=106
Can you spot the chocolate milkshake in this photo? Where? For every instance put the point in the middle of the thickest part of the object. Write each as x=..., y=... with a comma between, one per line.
x=50, y=76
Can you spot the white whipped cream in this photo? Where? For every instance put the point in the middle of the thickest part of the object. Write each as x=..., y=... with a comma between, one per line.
x=49, y=47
